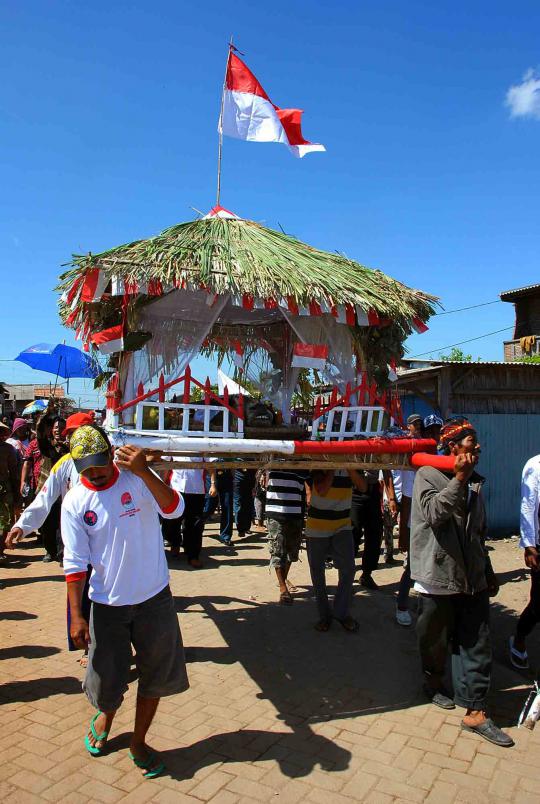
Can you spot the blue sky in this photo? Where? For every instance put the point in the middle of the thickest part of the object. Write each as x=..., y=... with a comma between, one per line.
x=108, y=118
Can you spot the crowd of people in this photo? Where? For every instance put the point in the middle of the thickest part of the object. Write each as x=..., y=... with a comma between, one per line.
x=108, y=528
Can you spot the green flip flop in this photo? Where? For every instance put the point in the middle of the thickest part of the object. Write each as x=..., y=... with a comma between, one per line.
x=148, y=765
x=96, y=752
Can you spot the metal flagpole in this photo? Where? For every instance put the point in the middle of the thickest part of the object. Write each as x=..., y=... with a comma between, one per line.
x=220, y=125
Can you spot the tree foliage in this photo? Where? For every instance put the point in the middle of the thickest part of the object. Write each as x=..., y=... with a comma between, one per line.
x=456, y=355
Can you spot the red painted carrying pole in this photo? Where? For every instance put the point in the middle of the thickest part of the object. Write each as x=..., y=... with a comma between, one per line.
x=445, y=463
x=373, y=446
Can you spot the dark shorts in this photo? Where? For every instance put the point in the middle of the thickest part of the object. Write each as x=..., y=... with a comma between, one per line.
x=152, y=628
x=284, y=539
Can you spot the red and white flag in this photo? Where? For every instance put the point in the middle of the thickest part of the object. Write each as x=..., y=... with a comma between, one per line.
x=238, y=356
x=109, y=340
x=249, y=114
x=419, y=326
x=95, y=282
x=309, y=355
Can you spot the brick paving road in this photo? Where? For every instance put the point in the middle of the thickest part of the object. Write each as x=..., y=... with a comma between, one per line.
x=276, y=711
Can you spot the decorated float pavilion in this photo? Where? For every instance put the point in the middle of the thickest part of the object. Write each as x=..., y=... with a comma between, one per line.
x=228, y=287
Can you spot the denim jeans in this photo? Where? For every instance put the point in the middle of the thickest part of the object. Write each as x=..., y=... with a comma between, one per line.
x=341, y=547
x=224, y=484
x=405, y=584
x=243, y=484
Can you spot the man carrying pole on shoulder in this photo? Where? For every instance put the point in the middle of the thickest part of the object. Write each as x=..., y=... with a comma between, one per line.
x=110, y=520
x=455, y=579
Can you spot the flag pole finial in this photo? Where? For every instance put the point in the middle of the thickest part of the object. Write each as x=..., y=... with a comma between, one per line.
x=220, y=124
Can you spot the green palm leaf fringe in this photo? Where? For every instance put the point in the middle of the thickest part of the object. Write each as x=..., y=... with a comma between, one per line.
x=242, y=257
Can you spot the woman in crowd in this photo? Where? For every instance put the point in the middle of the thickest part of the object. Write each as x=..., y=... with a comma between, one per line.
x=41, y=455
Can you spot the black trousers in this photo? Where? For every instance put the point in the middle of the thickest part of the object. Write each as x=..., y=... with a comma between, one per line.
x=50, y=531
x=188, y=528
x=531, y=614
x=461, y=622
x=367, y=524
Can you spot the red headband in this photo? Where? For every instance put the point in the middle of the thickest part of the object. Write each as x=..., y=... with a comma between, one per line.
x=456, y=432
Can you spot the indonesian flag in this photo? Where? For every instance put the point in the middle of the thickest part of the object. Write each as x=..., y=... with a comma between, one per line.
x=109, y=340
x=419, y=326
x=249, y=114
x=238, y=356
x=309, y=355
x=392, y=370
x=94, y=285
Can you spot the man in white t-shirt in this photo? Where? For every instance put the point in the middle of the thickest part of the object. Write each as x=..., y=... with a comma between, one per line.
x=110, y=520
x=188, y=529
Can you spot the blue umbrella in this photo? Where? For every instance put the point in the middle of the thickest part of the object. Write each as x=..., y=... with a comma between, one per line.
x=64, y=361
x=37, y=406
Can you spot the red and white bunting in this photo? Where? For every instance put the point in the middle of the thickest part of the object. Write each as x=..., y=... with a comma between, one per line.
x=292, y=306
x=238, y=356
x=309, y=355
x=155, y=288
x=392, y=372
x=117, y=286
x=94, y=284
x=249, y=114
x=419, y=326
x=109, y=340
x=362, y=316
x=71, y=297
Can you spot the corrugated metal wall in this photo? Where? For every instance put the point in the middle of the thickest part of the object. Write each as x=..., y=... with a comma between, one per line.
x=508, y=441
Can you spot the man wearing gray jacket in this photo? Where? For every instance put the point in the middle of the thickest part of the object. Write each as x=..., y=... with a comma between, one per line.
x=455, y=579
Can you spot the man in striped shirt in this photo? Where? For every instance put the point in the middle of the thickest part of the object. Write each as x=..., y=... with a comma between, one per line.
x=329, y=531
x=285, y=498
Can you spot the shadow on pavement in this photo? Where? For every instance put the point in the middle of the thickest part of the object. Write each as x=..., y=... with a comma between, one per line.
x=28, y=652
x=38, y=688
x=312, y=677
x=25, y=580
x=17, y=615
x=297, y=753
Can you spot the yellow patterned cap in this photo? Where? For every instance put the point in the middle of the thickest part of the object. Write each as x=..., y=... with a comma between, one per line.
x=89, y=447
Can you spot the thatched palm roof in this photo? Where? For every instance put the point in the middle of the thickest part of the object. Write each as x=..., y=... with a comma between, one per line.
x=242, y=257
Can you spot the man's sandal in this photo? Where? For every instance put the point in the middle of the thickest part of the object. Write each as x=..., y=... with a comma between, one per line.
x=100, y=738
x=519, y=659
x=149, y=765
x=323, y=625
x=349, y=624
x=285, y=598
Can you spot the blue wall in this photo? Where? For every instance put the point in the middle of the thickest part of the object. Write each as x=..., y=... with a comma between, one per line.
x=507, y=441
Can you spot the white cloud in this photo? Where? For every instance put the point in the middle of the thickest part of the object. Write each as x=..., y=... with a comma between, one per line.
x=523, y=99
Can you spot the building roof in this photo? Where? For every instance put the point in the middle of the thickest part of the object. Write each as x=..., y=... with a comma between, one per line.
x=436, y=365
x=32, y=390
x=518, y=293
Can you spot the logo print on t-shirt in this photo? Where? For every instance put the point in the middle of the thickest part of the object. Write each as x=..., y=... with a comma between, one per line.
x=90, y=518
x=128, y=505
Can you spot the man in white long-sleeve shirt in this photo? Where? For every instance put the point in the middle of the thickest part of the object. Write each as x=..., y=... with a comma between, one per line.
x=530, y=541
x=110, y=521
x=62, y=477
